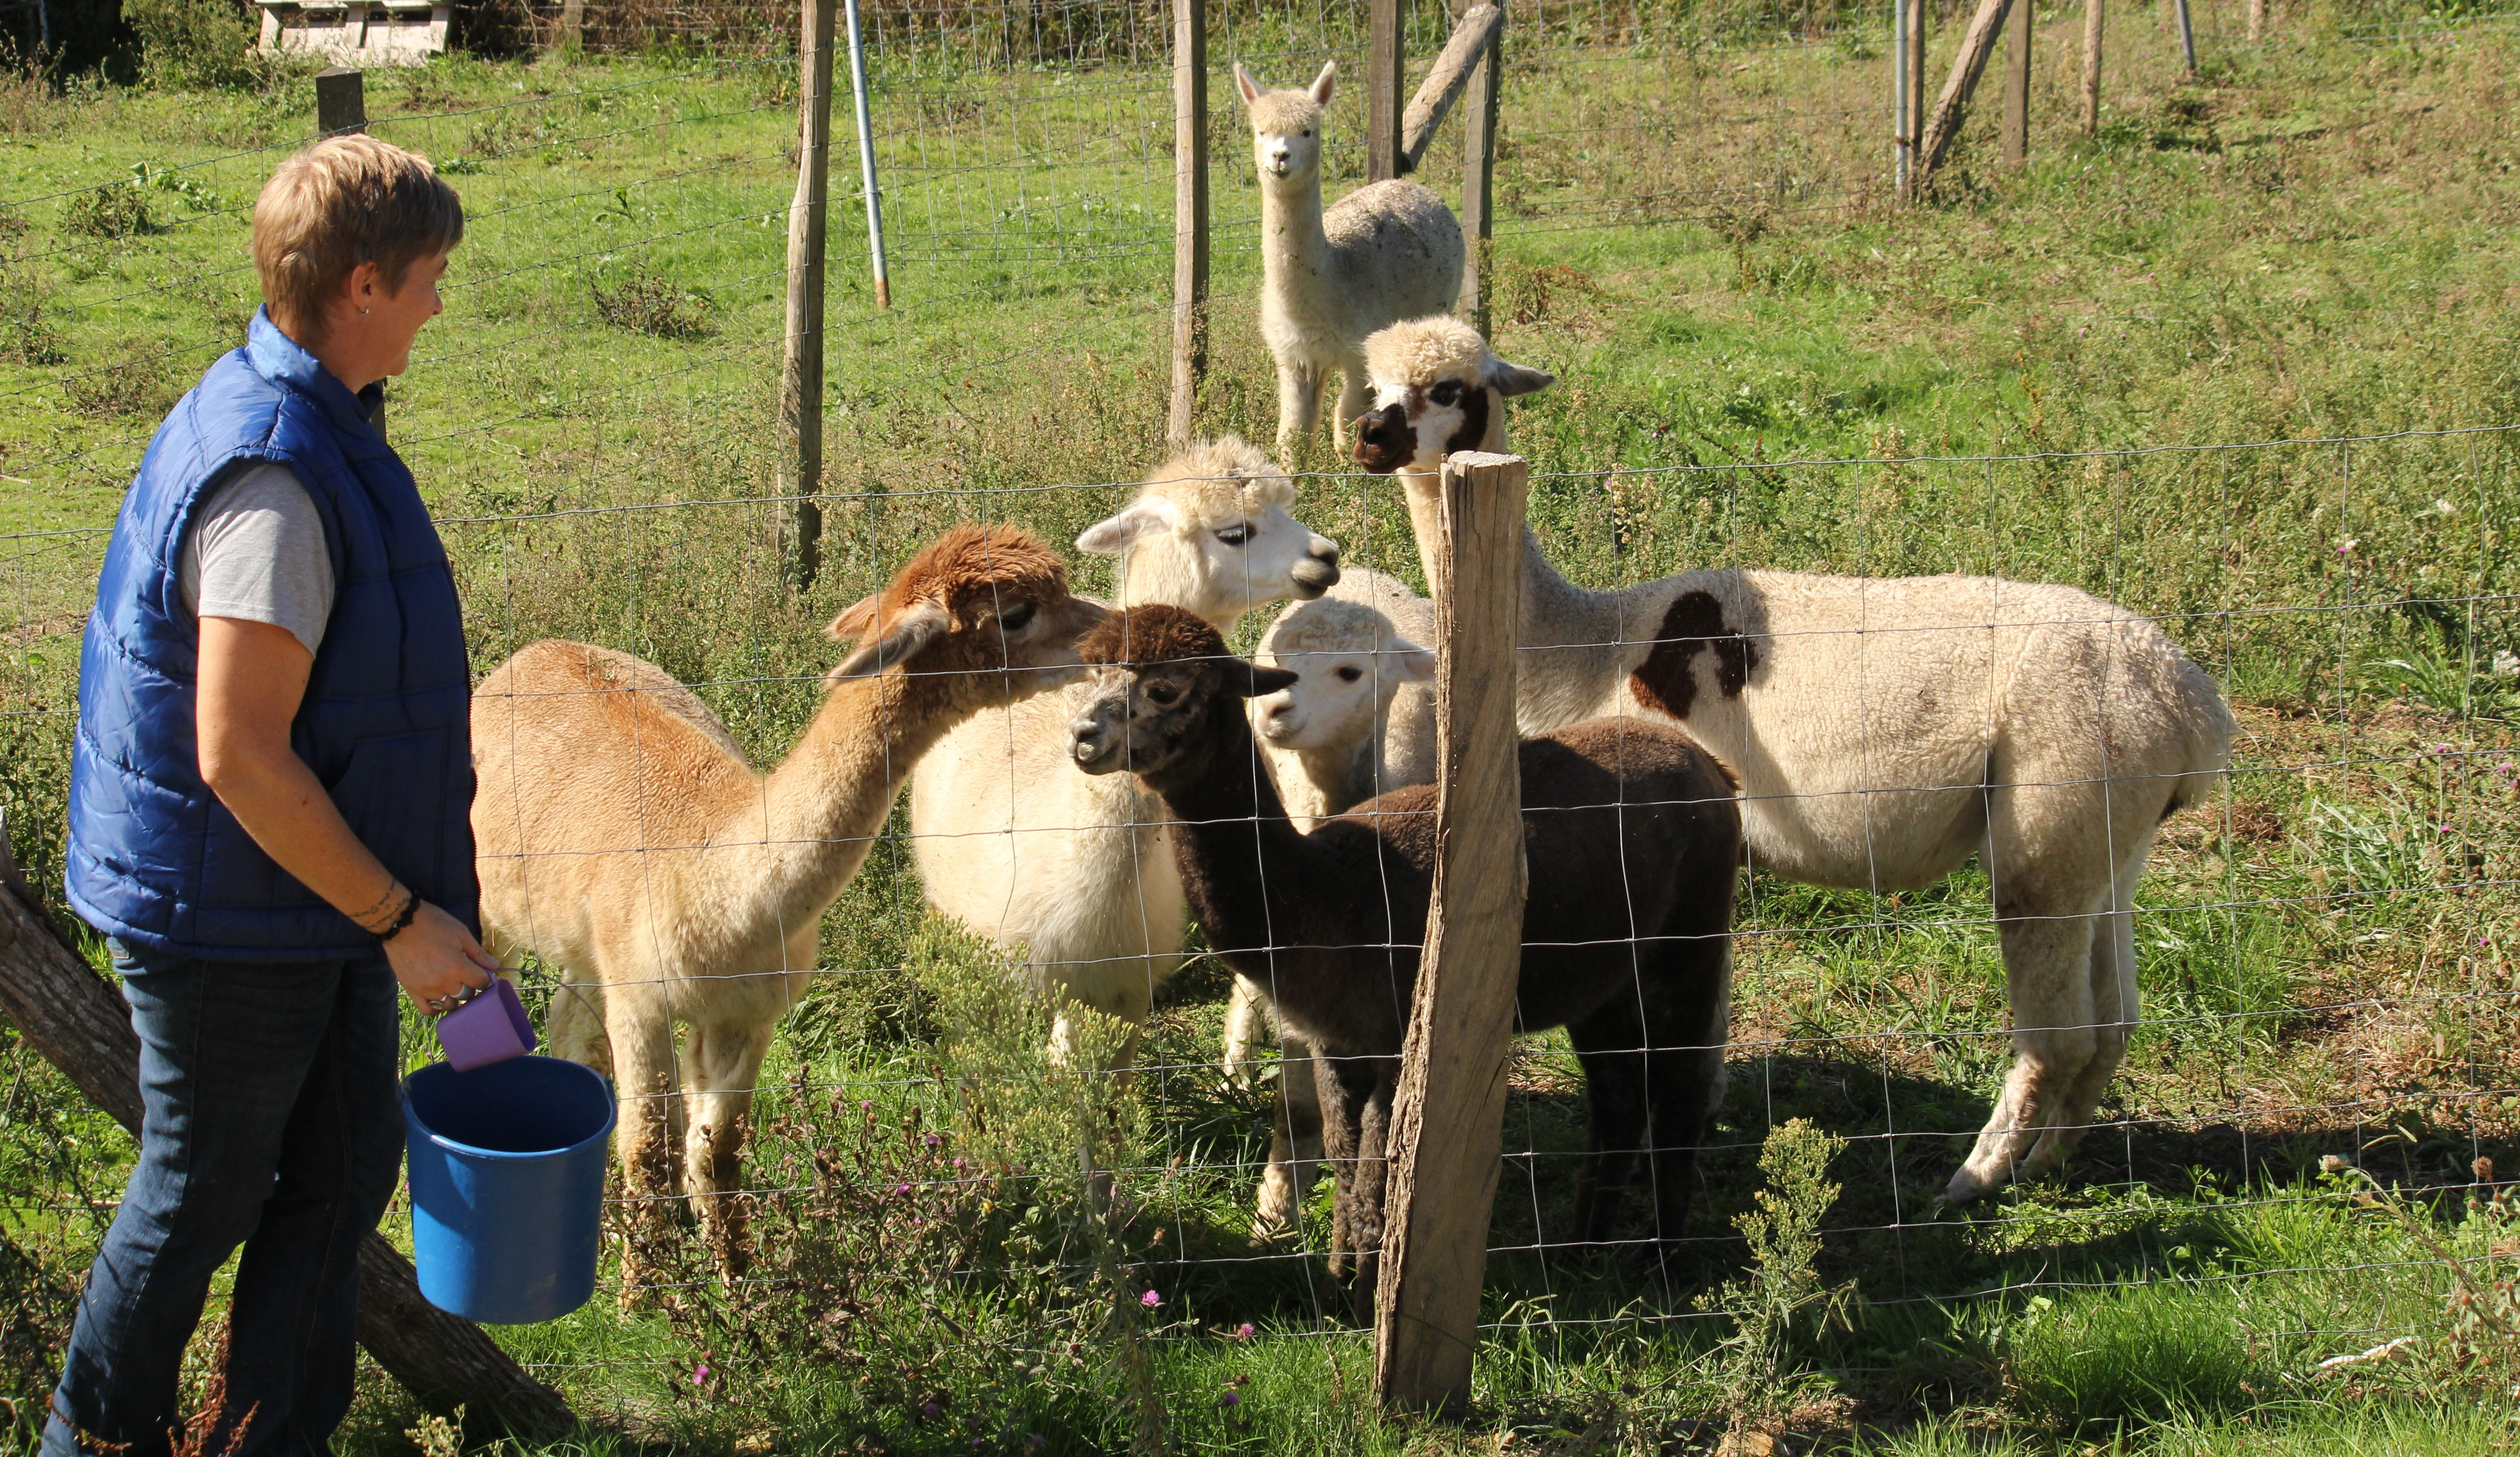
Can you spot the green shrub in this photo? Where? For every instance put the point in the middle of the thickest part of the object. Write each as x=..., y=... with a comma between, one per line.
x=196, y=43
x=115, y=211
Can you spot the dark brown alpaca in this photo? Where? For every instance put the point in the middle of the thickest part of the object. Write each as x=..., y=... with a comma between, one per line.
x=1632, y=838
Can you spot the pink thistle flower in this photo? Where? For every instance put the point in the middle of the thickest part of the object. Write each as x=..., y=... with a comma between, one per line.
x=1230, y=1398
x=699, y=1375
x=1243, y=1332
x=1151, y=1299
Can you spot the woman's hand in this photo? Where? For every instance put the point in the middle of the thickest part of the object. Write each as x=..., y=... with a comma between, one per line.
x=437, y=960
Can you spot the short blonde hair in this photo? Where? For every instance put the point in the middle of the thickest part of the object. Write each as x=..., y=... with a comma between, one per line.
x=343, y=201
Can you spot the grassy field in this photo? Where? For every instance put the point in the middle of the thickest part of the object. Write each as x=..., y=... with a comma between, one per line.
x=2307, y=251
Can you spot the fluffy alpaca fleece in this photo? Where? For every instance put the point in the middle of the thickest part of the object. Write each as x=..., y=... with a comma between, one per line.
x=623, y=838
x=1639, y=982
x=1360, y=721
x=1882, y=730
x=1076, y=872
x=1389, y=251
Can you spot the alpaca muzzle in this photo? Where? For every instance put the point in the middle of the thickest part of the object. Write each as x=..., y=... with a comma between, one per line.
x=1384, y=440
x=1317, y=572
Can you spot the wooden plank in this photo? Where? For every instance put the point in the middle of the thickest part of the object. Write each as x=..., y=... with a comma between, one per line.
x=1447, y=1117
x=1951, y=109
x=1478, y=180
x=341, y=99
x=1444, y=84
x=82, y=1025
x=800, y=362
x=2016, y=85
x=1382, y=62
x=1189, y=215
x=2094, y=37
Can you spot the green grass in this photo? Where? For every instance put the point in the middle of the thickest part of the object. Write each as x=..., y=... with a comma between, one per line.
x=1762, y=362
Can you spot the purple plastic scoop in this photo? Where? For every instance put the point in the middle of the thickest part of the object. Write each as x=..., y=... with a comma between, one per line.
x=490, y=1028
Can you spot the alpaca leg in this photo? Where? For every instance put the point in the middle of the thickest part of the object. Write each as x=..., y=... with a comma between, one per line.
x=2046, y=973
x=1688, y=1019
x=725, y=1063
x=2114, y=1011
x=1299, y=408
x=1373, y=1170
x=1610, y=1043
x=641, y=1027
x=1346, y=1086
x=1353, y=399
x=1247, y=1018
x=1294, y=1145
x=576, y=1024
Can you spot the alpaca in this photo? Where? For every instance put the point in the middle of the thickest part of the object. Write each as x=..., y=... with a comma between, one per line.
x=1358, y=722
x=1882, y=730
x=1075, y=872
x=1387, y=251
x=1331, y=921
x=623, y=838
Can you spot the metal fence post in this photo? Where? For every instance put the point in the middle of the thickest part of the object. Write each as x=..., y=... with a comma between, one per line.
x=800, y=371
x=2186, y=39
x=1447, y=1119
x=1190, y=214
x=866, y=158
x=1382, y=99
x=1903, y=136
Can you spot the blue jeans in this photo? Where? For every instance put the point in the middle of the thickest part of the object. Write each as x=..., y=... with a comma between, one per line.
x=272, y=1120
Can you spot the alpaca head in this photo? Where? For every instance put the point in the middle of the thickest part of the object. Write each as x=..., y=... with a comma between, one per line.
x=1286, y=127
x=1214, y=532
x=982, y=614
x=1437, y=388
x=1158, y=673
x=1351, y=661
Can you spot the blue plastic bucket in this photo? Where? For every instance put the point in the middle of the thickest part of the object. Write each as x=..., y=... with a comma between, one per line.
x=506, y=1185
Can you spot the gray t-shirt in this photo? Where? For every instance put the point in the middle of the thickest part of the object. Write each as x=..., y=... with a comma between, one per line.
x=255, y=551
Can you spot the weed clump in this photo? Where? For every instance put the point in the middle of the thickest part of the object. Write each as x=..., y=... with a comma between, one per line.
x=196, y=43
x=138, y=386
x=1783, y=1306
x=109, y=213
x=26, y=335
x=645, y=301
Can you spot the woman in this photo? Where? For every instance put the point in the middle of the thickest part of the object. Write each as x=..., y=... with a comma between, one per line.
x=269, y=800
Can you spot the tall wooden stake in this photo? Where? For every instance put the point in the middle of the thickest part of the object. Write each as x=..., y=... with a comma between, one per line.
x=1447, y=1120
x=1903, y=131
x=341, y=106
x=2017, y=84
x=1190, y=214
x=2257, y=19
x=1951, y=109
x=1382, y=99
x=2094, y=29
x=1478, y=180
x=572, y=26
x=800, y=367
x=1914, y=58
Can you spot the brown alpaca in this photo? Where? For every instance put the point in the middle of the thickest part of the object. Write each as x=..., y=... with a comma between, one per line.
x=1631, y=834
x=624, y=840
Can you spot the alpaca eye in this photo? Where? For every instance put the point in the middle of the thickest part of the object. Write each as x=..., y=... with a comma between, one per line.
x=1015, y=618
x=1447, y=394
x=1307, y=131
x=1234, y=536
x=1162, y=694
x=1350, y=673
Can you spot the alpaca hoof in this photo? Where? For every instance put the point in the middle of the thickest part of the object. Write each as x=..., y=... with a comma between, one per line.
x=1968, y=1187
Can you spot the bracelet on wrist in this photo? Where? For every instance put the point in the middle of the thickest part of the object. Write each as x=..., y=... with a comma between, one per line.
x=401, y=921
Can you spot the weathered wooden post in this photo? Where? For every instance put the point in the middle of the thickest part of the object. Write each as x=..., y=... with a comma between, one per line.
x=1190, y=214
x=2017, y=84
x=81, y=1026
x=1912, y=62
x=572, y=27
x=1447, y=1121
x=2094, y=30
x=341, y=108
x=800, y=364
x=2257, y=20
x=1951, y=109
x=1382, y=65
x=1478, y=180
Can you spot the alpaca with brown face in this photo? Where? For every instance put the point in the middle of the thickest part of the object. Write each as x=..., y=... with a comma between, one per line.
x=1333, y=923
x=1884, y=731
x=624, y=840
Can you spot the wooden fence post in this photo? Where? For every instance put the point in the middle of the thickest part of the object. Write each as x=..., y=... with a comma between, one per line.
x=1478, y=181
x=1447, y=1120
x=572, y=27
x=800, y=363
x=81, y=1026
x=341, y=108
x=1951, y=109
x=2095, y=31
x=1445, y=81
x=1190, y=214
x=1382, y=66
x=2257, y=20
x=1903, y=137
x=2017, y=84
x=1913, y=59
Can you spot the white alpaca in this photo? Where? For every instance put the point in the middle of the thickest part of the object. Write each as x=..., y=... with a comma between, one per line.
x=1075, y=869
x=1881, y=730
x=1387, y=251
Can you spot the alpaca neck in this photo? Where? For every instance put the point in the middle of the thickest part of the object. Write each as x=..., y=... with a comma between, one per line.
x=1244, y=867
x=822, y=806
x=1554, y=611
x=1291, y=241
x=1327, y=781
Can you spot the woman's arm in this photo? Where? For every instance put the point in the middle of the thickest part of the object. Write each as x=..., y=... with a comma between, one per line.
x=252, y=679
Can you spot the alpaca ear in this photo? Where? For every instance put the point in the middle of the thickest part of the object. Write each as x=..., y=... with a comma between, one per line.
x=1408, y=662
x=1115, y=536
x=1322, y=83
x=1248, y=84
x=1510, y=379
x=1262, y=681
x=912, y=632
x=854, y=620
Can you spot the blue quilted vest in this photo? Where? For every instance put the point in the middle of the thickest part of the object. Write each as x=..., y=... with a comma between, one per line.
x=155, y=858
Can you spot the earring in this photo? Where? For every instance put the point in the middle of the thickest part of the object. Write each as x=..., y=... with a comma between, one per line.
x=363, y=313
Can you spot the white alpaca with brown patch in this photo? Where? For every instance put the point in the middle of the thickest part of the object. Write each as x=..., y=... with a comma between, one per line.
x=1387, y=251
x=1882, y=730
x=1074, y=870
x=622, y=837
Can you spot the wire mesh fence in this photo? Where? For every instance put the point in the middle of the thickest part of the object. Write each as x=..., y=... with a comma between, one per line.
x=2324, y=943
